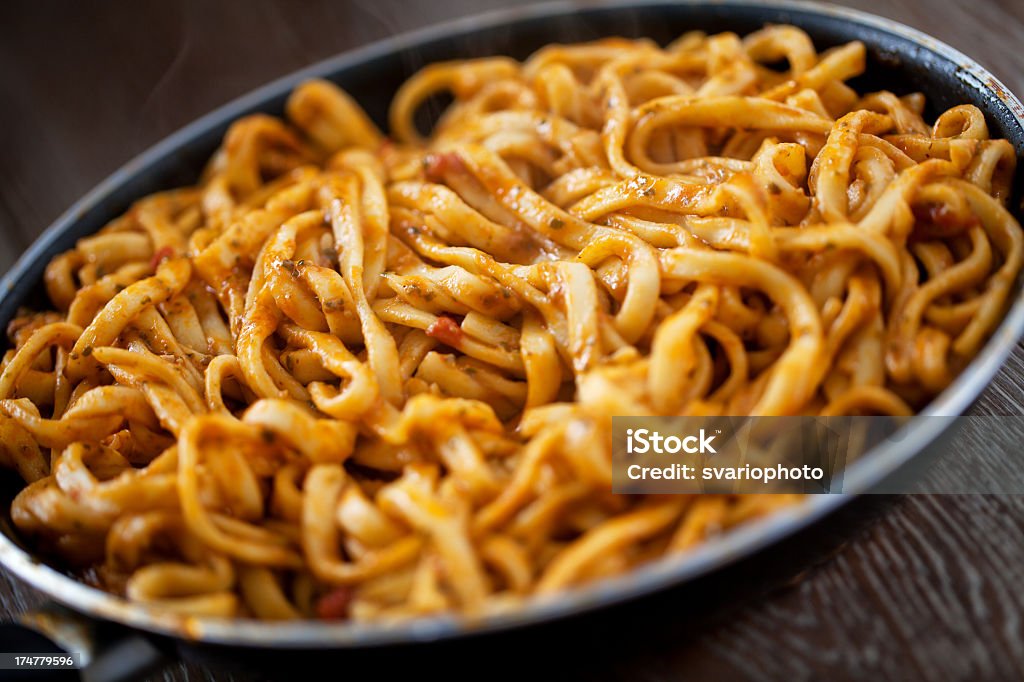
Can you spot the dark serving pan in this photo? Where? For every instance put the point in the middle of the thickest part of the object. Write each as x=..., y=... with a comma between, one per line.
x=900, y=59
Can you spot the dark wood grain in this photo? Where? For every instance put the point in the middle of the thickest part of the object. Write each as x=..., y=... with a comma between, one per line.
x=915, y=587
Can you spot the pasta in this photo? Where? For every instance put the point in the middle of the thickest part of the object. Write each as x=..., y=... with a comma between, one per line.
x=352, y=376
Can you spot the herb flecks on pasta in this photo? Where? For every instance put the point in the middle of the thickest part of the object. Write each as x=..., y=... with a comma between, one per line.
x=353, y=376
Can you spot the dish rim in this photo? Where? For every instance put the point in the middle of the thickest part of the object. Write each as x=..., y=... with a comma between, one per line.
x=743, y=541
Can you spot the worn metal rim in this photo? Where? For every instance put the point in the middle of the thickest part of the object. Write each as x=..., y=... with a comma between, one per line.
x=744, y=541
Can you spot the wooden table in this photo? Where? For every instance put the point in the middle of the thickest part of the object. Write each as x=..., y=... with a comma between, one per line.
x=924, y=587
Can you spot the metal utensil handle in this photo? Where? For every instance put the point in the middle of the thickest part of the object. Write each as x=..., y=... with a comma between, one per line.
x=108, y=652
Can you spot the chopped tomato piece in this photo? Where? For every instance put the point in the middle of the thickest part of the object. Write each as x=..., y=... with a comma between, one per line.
x=446, y=330
x=938, y=221
x=438, y=165
x=161, y=254
x=334, y=605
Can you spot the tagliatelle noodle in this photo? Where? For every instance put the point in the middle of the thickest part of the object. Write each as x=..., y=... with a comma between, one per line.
x=347, y=376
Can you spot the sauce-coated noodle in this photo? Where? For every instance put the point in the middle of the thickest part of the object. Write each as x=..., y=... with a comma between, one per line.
x=352, y=376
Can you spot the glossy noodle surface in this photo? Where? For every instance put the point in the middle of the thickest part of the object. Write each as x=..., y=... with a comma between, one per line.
x=351, y=376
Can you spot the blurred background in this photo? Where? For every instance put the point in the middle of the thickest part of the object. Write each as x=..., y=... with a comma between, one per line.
x=892, y=588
